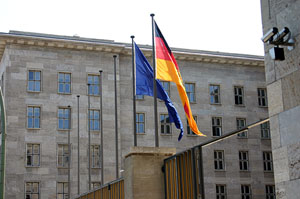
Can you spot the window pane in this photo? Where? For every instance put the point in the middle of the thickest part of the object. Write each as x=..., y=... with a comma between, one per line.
x=37, y=86
x=31, y=86
x=31, y=75
x=37, y=75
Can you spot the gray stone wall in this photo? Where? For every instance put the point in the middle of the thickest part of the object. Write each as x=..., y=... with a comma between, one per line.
x=282, y=78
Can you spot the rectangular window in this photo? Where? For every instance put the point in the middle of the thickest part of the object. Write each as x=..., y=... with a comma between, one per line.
x=265, y=130
x=268, y=161
x=32, y=155
x=64, y=83
x=246, y=191
x=270, y=192
x=219, y=160
x=140, y=123
x=190, y=91
x=93, y=81
x=95, y=153
x=96, y=185
x=32, y=190
x=34, y=81
x=240, y=124
x=189, y=130
x=62, y=155
x=221, y=192
x=94, y=120
x=166, y=86
x=62, y=190
x=139, y=97
x=214, y=91
x=33, y=117
x=63, y=118
x=262, y=97
x=244, y=160
x=165, y=124
x=239, y=95
x=216, y=123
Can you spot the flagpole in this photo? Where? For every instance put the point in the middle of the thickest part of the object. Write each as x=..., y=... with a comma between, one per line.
x=116, y=117
x=89, y=139
x=78, y=155
x=133, y=93
x=154, y=84
x=101, y=128
x=69, y=151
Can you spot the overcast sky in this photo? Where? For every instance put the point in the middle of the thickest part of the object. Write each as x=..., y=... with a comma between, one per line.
x=215, y=25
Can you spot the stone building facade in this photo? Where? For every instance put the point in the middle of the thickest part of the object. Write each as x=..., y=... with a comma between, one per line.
x=41, y=75
x=282, y=79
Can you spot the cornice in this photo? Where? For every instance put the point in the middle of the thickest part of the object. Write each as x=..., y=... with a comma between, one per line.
x=97, y=45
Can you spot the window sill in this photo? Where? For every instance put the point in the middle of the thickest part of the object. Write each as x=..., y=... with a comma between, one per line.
x=239, y=105
x=28, y=167
x=263, y=106
x=96, y=168
x=166, y=134
x=245, y=171
x=64, y=93
x=216, y=136
x=269, y=171
x=34, y=91
x=193, y=102
x=191, y=135
x=60, y=167
x=93, y=95
x=141, y=133
x=265, y=138
x=217, y=104
x=242, y=138
x=63, y=130
x=34, y=129
x=220, y=170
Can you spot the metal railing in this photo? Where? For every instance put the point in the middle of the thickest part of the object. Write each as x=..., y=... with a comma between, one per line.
x=111, y=190
x=184, y=177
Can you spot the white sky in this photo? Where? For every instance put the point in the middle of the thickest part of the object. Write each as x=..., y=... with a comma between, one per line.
x=215, y=25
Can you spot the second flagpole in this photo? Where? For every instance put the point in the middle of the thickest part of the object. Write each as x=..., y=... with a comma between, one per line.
x=133, y=93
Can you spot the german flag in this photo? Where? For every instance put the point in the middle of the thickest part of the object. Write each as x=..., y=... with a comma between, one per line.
x=168, y=70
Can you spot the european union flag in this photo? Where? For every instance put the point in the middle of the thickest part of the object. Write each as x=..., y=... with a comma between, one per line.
x=144, y=86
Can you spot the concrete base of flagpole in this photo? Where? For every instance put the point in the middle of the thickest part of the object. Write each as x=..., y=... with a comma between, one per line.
x=143, y=176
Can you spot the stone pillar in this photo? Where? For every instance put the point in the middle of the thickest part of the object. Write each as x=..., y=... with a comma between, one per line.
x=143, y=176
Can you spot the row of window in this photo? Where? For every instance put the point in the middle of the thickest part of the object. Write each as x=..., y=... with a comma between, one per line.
x=34, y=83
x=219, y=160
x=215, y=94
x=32, y=189
x=246, y=193
x=64, y=87
x=33, y=155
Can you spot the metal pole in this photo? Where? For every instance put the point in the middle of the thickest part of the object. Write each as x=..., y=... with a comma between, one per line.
x=3, y=136
x=154, y=83
x=202, y=192
x=116, y=117
x=78, y=144
x=69, y=151
x=133, y=92
x=89, y=138
x=101, y=127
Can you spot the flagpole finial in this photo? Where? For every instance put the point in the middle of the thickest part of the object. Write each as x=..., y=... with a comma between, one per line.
x=132, y=36
x=115, y=56
x=152, y=14
x=78, y=95
x=100, y=71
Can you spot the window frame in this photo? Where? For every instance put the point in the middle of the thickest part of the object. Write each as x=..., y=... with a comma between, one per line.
x=242, y=96
x=65, y=195
x=219, y=160
x=93, y=165
x=27, y=84
x=268, y=162
x=32, y=154
x=92, y=84
x=245, y=195
x=93, y=120
x=64, y=83
x=271, y=195
x=63, y=166
x=138, y=122
x=33, y=116
x=168, y=90
x=265, y=129
x=260, y=97
x=69, y=118
x=139, y=97
x=216, y=126
x=242, y=161
x=189, y=132
x=244, y=134
x=214, y=94
x=188, y=92
x=219, y=194
x=165, y=124
x=31, y=193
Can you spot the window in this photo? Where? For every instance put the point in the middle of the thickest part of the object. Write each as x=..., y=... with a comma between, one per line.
x=139, y=97
x=95, y=153
x=219, y=160
x=262, y=97
x=140, y=123
x=33, y=117
x=64, y=83
x=239, y=95
x=241, y=123
x=93, y=89
x=244, y=160
x=32, y=155
x=63, y=118
x=166, y=86
x=216, y=126
x=62, y=190
x=214, y=91
x=270, y=192
x=190, y=91
x=62, y=155
x=221, y=192
x=246, y=191
x=189, y=130
x=96, y=185
x=265, y=130
x=165, y=124
x=32, y=190
x=268, y=161
x=94, y=120
x=34, y=81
